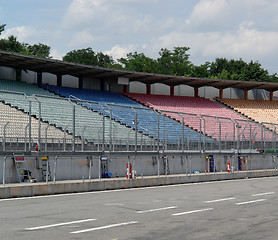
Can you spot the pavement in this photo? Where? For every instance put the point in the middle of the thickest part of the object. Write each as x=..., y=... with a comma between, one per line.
x=233, y=209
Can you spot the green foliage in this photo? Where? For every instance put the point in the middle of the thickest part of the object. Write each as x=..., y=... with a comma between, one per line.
x=89, y=57
x=11, y=44
x=39, y=50
x=175, y=62
x=171, y=62
x=238, y=70
x=138, y=63
x=2, y=28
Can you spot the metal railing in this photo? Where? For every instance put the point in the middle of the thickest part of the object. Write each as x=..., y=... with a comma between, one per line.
x=58, y=124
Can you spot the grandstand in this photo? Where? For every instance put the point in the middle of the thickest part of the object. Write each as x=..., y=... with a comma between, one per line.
x=262, y=111
x=58, y=112
x=213, y=114
x=124, y=109
x=89, y=112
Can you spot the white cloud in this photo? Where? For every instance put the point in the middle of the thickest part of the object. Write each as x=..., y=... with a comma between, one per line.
x=246, y=42
x=21, y=32
x=118, y=52
x=56, y=54
x=81, y=38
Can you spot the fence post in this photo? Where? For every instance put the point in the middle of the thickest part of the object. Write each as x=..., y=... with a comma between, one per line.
x=135, y=122
x=4, y=170
x=30, y=125
x=55, y=169
x=4, y=137
x=73, y=128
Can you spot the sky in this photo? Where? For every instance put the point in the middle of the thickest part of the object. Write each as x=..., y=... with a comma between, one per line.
x=231, y=29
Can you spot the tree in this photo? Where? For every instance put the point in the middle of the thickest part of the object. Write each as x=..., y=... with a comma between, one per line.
x=175, y=62
x=12, y=45
x=39, y=50
x=2, y=28
x=89, y=57
x=138, y=62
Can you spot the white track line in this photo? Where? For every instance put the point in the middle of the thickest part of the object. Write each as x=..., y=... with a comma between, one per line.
x=254, y=201
x=105, y=227
x=157, y=209
x=59, y=224
x=220, y=200
x=113, y=204
x=261, y=194
x=194, y=211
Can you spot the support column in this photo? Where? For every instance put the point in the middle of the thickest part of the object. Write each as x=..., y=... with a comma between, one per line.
x=125, y=88
x=59, y=80
x=196, y=92
x=39, y=78
x=18, y=73
x=80, y=82
x=245, y=94
x=270, y=95
x=148, y=89
x=102, y=85
x=220, y=93
x=172, y=90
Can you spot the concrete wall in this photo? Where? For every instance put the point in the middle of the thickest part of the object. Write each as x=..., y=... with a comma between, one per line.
x=77, y=167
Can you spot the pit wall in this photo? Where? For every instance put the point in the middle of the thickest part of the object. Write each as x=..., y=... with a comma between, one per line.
x=145, y=164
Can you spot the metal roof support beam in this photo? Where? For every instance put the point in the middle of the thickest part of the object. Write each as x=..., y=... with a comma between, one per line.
x=172, y=90
x=39, y=78
x=245, y=94
x=80, y=82
x=220, y=93
x=148, y=90
x=59, y=80
x=270, y=95
x=196, y=92
x=125, y=89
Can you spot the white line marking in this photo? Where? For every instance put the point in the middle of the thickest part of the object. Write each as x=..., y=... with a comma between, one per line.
x=194, y=211
x=59, y=224
x=261, y=194
x=105, y=227
x=113, y=204
x=158, y=209
x=220, y=200
x=254, y=201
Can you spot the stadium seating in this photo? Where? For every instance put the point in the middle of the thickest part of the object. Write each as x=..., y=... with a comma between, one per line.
x=262, y=111
x=59, y=113
x=212, y=114
x=147, y=119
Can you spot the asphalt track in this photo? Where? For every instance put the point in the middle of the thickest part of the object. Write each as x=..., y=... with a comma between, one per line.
x=235, y=209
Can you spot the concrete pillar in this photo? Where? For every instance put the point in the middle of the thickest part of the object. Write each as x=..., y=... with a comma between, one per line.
x=18, y=73
x=196, y=92
x=245, y=94
x=220, y=93
x=80, y=82
x=125, y=88
x=148, y=90
x=39, y=78
x=59, y=80
x=270, y=95
x=102, y=85
x=172, y=90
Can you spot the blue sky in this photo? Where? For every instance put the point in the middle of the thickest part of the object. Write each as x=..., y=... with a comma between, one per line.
x=246, y=29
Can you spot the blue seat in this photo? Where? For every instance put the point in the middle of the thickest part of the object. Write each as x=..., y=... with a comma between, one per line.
x=147, y=119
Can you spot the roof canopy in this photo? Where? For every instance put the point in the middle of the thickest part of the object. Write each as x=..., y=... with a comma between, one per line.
x=36, y=64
